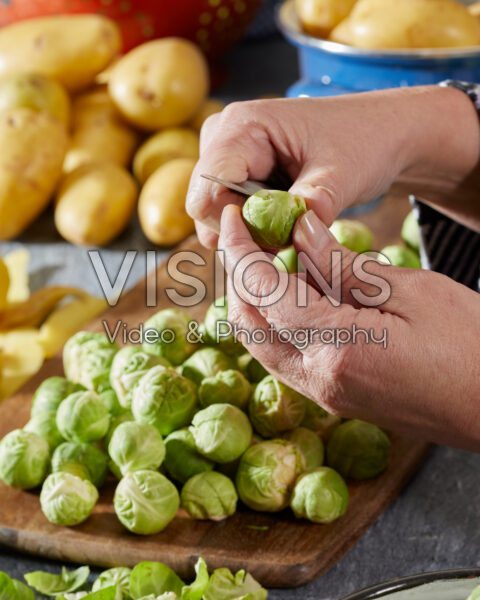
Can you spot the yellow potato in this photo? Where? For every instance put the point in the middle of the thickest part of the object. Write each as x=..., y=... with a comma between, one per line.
x=207, y=109
x=161, y=207
x=408, y=24
x=95, y=203
x=319, y=17
x=33, y=147
x=22, y=357
x=4, y=284
x=99, y=133
x=17, y=265
x=70, y=49
x=40, y=93
x=67, y=320
x=160, y=84
x=474, y=9
x=177, y=142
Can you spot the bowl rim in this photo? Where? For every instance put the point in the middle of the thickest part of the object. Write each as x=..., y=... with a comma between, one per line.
x=288, y=23
x=411, y=581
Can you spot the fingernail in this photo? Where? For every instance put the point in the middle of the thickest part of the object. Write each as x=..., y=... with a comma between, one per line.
x=311, y=232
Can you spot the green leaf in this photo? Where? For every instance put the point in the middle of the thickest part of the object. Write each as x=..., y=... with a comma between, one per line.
x=195, y=590
x=109, y=593
x=154, y=578
x=22, y=591
x=51, y=584
x=224, y=585
x=7, y=588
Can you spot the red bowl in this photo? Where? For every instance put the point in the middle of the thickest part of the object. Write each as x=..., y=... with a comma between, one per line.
x=213, y=24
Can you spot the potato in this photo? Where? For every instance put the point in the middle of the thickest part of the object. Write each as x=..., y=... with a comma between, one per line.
x=408, y=24
x=17, y=264
x=177, y=142
x=95, y=203
x=70, y=49
x=21, y=357
x=161, y=207
x=474, y=9
x=99, y=133
x=31, y=90
x=207, y=109
x=33, y=146
x=4, y=284
x=319, y=17
x=160, y=84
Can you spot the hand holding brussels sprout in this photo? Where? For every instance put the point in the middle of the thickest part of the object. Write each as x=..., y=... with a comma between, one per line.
x=209, y=495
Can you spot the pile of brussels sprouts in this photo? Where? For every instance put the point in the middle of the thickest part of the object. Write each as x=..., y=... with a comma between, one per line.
x=146, y=581
x=200, y=425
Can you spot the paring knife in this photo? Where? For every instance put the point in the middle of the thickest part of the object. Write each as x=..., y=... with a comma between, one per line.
x=246, y=188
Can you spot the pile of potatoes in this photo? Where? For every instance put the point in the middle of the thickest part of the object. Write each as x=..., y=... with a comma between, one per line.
x=98, y=132
x=392, y=24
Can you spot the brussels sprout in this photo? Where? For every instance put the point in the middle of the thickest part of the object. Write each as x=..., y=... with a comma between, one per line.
x=123, y=417
x=87, y=358
x=287, y=261
x=129, y=366
x=226, y=386
x=67, y=499
x=217, y=329
x=475, y=595
x=45, y=425
x=145, y=502
x=354, y=235
x=251, y=368
x=274, y=407
x=83, y=460
x=222, y=432
x=164, y=399
x=169, y=332
x=50, y=394
x=319, y=420
x=50, y=584
x=309, y=444
x=209, y=495
x=182, y=460
x=206, y=362
x=154, y=578
x=358, y=450
x=24, y=459
x=267, y=473
x=119, y=576
x=270, y=216
x=83, y=417
x=110, y=400
x=224, y=585
x=320, y=496
x=411, y=232
x=136, y=447
x=400, y=256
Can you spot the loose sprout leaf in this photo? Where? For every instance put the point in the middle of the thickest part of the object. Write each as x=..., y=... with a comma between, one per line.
x=51, y=584
x=111, y=593
x=195, y=590
x=7, y=588
x=154, y=578
x=224, y=585
x=22, y=591
x=258, y=527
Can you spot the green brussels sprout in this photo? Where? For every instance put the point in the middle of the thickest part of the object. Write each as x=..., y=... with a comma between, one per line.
x=319, y=420
x=320, y=496
x=209, y=495
x=45, y=425
x=354, y=235
x=224, y=585
x=50, y=394
x=145, y=502
x=400, y=256
x=251, y=368
x=83, y=417
x=129, y=366
x=222, y=432
x=50, y=584
x=119, y=576
x=475, y=595
x=123, y=417
x=164, y=399
x=24, y=459
x=67, y=499
x=217, y=330
x=154, y=578
x=270, y=216
x=358, y=450
x=136, y=447
x=169, y=332
x=309, y=444
x=110, y=400
x=182, y=460
x=287, y=261
x=83, y=460
x=87, y=359
x=275, y=408
x=267, y=474
x=226, y=386
x=206, y=362
x=411, y=232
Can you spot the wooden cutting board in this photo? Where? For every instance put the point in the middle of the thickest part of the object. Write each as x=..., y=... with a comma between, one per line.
x=284, y=552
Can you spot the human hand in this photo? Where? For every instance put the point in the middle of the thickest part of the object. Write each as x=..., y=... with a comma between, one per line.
x=424, y=382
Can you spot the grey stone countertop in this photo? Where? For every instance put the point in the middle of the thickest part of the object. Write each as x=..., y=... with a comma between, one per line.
x=433, y=524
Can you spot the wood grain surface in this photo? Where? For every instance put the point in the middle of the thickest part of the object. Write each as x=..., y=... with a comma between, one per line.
x=284, y=553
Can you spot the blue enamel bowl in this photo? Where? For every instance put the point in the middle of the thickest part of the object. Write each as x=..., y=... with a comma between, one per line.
x=331, y=69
